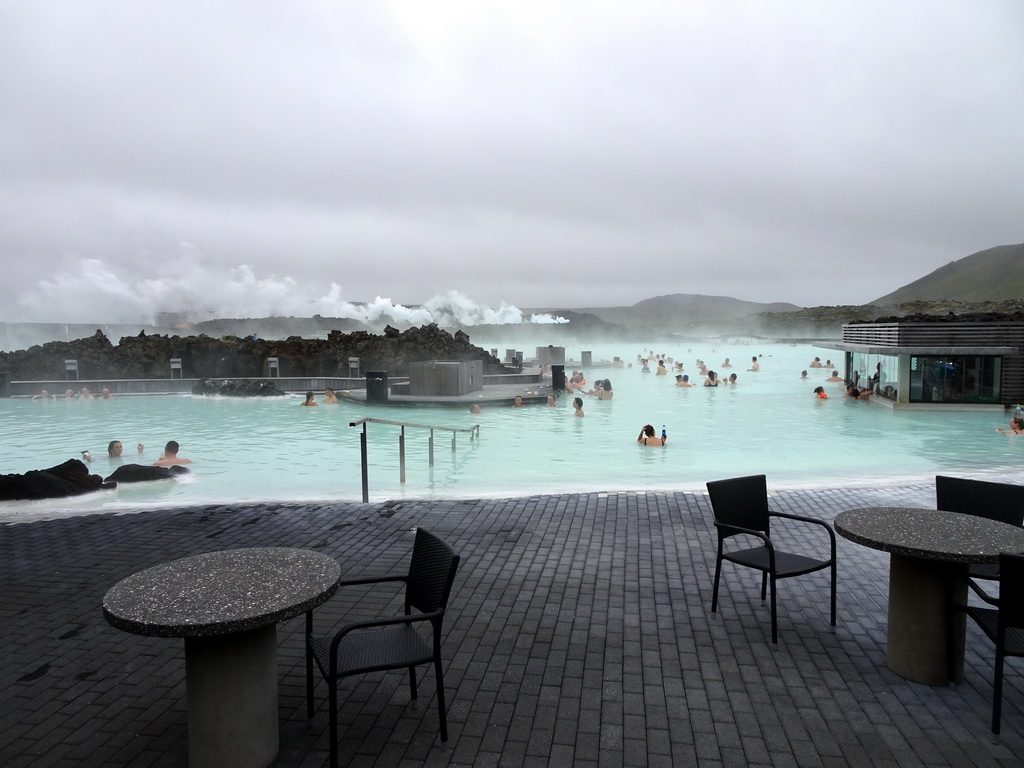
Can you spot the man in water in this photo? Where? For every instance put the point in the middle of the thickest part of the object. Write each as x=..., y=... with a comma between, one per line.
x=170, y=457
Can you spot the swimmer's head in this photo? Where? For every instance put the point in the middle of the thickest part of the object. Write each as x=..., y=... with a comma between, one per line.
x=114, y=449
x=685, y=377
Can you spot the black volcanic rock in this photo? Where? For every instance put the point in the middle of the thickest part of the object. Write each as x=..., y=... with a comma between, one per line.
x=71, y=478
x=229, y=357
x=231, y=388
x=138, y=473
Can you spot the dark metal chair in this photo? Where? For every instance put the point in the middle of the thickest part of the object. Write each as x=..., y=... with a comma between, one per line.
x=389, y=643
x=1003, y=624
x=996, y=501
x=740, y=506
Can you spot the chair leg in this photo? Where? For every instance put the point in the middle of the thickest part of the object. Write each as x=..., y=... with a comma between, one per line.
x=714, y=592
x=412, y=682
x=309, y=683
x=833, y=592
x=764, y=584
x=309, y=666
x=775, y=622
x=442, y=715
x=997, y=693
x=334, y=722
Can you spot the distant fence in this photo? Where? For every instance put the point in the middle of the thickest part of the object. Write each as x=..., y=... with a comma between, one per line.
x=177, y=386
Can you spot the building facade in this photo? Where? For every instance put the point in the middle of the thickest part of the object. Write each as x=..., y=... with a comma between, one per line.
x=938, y=363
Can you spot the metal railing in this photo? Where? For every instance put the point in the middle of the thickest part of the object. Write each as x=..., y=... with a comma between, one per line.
x=474, y=433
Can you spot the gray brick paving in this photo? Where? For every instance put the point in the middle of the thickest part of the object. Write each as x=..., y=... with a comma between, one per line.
x=580, y=634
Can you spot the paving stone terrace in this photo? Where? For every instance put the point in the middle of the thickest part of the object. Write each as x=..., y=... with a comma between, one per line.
x=580, y=633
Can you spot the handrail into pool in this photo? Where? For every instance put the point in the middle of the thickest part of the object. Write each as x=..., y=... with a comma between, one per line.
x=474, y=432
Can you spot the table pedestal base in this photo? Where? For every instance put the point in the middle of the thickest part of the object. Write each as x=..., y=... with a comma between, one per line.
x=232, y=699
x=916, y=643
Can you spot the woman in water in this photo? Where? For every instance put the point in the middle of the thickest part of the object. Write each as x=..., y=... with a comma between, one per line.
x=711, y=380
x=648, y=437
x=1016, y=427
x=309, y=400
x=577, y=403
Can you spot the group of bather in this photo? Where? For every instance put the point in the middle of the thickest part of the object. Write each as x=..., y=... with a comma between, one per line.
x=69, y=394
x=329, y=398
x=169, y=458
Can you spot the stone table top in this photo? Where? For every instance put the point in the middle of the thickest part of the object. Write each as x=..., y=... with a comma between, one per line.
x=930, y=534
x=222, y=592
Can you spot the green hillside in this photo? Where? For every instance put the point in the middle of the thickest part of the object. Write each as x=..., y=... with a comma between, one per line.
x=995, y=274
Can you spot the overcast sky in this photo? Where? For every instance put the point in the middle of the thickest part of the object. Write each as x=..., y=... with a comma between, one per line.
x=253, y=157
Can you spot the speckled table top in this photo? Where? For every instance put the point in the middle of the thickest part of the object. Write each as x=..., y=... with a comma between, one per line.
x=930, y=534
x=222, y=592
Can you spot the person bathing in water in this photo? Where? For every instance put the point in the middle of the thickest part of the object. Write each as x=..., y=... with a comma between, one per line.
x=649, y=437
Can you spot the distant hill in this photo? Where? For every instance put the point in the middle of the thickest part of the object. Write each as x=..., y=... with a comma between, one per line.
x=678, y=311
x=995, y=274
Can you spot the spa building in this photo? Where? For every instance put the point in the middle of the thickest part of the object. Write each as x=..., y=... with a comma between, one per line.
x=936, y=363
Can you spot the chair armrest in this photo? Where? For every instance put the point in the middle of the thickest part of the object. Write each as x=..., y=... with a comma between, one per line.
x=805, y=519
x=378, y=580
x=370, y=624
x=351, y=583
x=749, y=531
x=982, y=593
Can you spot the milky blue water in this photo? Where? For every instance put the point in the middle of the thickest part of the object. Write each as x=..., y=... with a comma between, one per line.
x=272, y=449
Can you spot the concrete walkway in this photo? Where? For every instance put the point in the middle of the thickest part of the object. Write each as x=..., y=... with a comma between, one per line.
x=579, y=633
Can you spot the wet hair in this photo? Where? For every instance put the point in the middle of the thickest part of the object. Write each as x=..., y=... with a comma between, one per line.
x=1018, y=422
x=818, y=390
x=309, y=396
x=110, y=447
x=577, y=402
x=171, y=447
x=607, y=385
x=835, y=373
x=648, y=430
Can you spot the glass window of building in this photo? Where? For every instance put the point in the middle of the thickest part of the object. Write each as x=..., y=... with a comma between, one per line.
x=955, y=379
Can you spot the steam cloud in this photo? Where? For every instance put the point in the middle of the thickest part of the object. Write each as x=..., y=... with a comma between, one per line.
x=94, y=293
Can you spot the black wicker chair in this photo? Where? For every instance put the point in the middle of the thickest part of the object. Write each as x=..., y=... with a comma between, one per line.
x=996, y=501
x=1003, y=624
x=389, y=643
x=740, y=506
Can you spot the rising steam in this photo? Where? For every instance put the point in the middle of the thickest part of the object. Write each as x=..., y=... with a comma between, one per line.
x=94, y=293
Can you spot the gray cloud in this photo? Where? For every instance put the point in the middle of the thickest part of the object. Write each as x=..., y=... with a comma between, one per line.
x=575, y=155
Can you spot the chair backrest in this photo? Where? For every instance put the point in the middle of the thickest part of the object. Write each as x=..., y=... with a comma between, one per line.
x=431, y=573
x=740, y=501
x=996, y=501
x=1011, y=590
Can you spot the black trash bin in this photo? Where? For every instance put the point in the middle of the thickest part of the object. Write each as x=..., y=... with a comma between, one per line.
x=558, y=378
x=376, y=386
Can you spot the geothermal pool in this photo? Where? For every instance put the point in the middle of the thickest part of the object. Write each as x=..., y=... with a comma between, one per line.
x=263, y=450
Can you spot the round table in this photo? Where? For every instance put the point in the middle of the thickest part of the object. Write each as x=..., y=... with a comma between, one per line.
x=226, y=606
x=928, y=550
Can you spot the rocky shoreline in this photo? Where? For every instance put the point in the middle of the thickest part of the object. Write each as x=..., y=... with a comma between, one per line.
x=148, y=356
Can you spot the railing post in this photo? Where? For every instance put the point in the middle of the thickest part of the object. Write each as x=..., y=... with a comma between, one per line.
x=366, y=475
x=453, y=442
x=430, y=442
x=401, y=456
